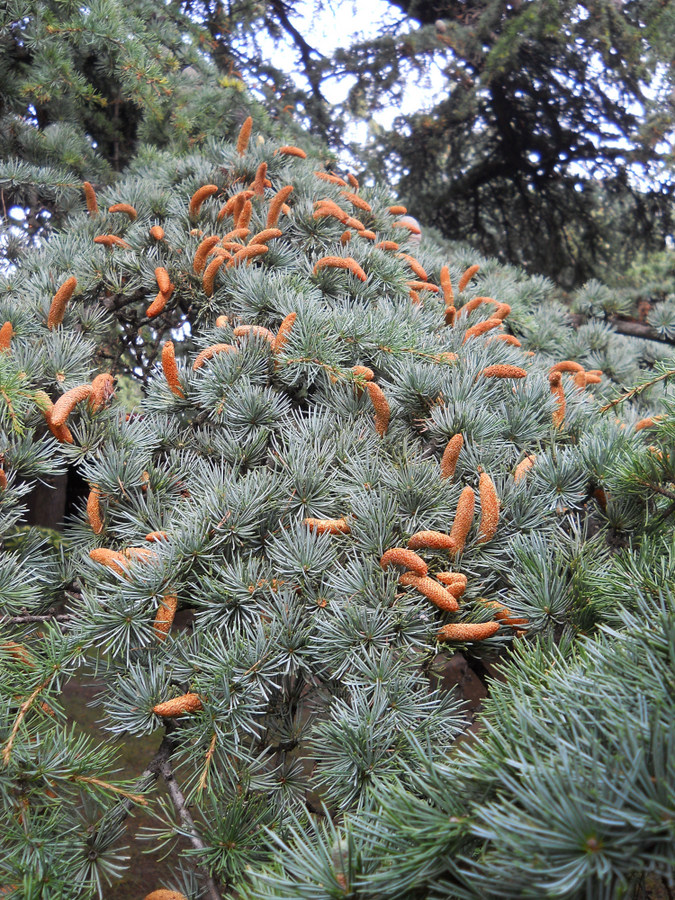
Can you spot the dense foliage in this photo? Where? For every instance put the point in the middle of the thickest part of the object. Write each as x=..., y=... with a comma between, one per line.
x=358, y=452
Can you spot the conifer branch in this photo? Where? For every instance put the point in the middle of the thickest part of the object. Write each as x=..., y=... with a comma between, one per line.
x=638, y=389
x=181, y=806
x=631, y=328
x=25, y=706
x=27, y=619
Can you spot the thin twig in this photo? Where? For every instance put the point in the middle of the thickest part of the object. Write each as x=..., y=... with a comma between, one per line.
x=657, y=487
x=24, y=620
x=188, y=822
x=207, y=762
x=628, y=395
x=25, y=706
x=134, y=798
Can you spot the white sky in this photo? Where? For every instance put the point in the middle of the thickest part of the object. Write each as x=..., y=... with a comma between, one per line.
x=351, y=20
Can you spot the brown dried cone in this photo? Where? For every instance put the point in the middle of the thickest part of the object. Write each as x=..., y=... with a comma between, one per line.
x=451, y=455
x=649, y=422
x=423, y=286
x=111, y=240
x=555, y=381
x=125, y=208
x=44, y=403
x=341, y=262
x=211, y=351
x=94, y=510
x=345, y=237
x=157, y=233
x=501, y=370
x=481, y=328
x=6, y=334
x=400, y=556
x=90, y=197
x=222, y=322
x=202, y=252
x=257, y=330
x=290, y=150
x=19, y=653
x=59, y=302
x=524, y=467
x=157, y=536
x=199, y=196
x=283, y=332
x=466, y=277
x=330, y=208
x=234, y=205
x=582, y=379
x=503, y=614
x=330, y=526
x=446, y=287
x=258, y=186
x=507, y=338
x=502, y=311
x=430, y=540
x=244, y=217
x=179, y=706
x=566, y=366
x=111, y=558
x=267, y=234
x=489, y=509
x=357, y=201
x=351, y=222
x=244, y=136
x=467, y=631
x=210, y=275
x=432, y=590
x=450, y=315
x=102, y=390
x=67, y=403
x=171, y=369
x=163, y=280
x=463, y=519
x=3, y=479
x=333, y=179
x=247, y=253
x=454, y=582
x=163, y=894
x=362, y=372
x=474, y=303
x=381, y=407
x=165, y=615
x=158, y=304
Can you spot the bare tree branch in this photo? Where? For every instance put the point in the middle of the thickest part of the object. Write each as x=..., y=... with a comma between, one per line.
x=24, y=620
x=188, y=822
x=631, y=328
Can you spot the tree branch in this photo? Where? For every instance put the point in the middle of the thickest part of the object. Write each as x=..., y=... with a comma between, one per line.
x=160, y=764
x=24, y=620
x=631, y=328
x=306, y=52
x=188, y=822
